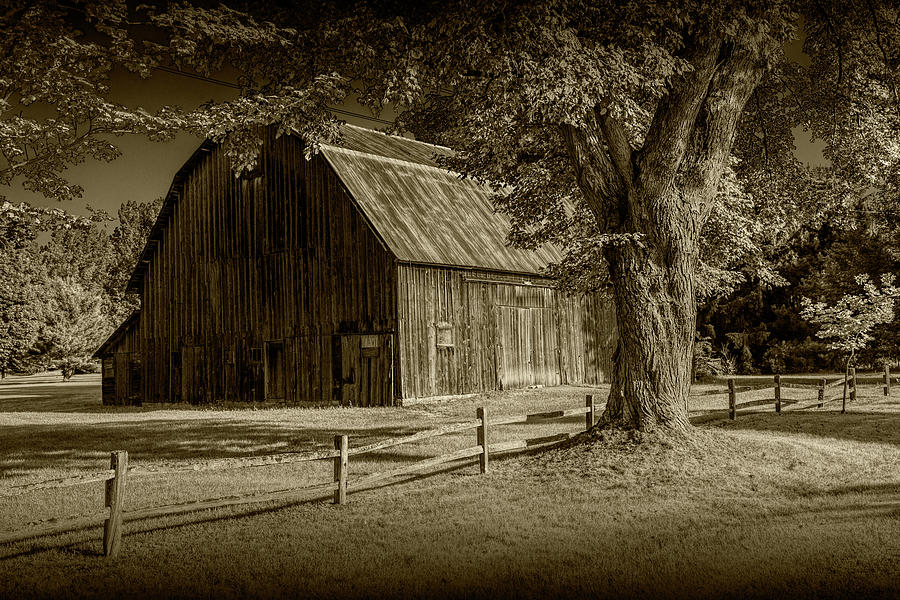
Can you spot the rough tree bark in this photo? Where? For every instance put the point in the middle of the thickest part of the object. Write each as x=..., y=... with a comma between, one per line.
x=662, y=191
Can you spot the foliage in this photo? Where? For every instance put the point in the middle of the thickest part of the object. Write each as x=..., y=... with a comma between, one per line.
x=799, y=356
x=19, y=323
x=73, y=323
x=21, y=271
x=847, y=325
x=54, y=85
x=709, y=362
x=62, y=281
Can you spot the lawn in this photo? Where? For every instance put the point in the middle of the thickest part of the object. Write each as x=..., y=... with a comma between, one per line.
x=805, y=504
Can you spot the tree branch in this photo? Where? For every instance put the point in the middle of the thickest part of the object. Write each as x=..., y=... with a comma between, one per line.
x=887, y=62
x=713, y=135
x=670, y=129
x=597, y=176
x=618, y=144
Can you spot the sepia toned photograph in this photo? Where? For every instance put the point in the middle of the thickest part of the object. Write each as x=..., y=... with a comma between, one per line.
x=521, y=299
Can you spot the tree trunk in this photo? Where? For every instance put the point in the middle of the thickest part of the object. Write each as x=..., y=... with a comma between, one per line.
x=656, y=311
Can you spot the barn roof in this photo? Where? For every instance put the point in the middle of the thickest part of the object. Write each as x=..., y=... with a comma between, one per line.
x=426, y=214
x=107, y=346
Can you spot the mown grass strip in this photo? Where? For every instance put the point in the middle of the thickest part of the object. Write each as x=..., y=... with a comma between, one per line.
x=61, y=482
x=55, y=527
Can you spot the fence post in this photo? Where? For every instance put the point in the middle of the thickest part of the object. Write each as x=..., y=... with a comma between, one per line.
x=731, y=409
x=115, y=500
x=887, y=380
x=589, y=415
x=778, y=393
x=482, y=433
x=821, y=392
x=341, y=462
x=852, y=384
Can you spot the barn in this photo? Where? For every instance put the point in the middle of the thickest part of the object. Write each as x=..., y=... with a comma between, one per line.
x=365, y=275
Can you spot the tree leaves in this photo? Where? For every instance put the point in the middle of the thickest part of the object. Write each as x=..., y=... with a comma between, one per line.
x=847, y=325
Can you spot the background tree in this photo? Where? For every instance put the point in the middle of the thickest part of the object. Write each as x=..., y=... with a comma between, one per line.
x=19, y=322
x=125, y=243
x=848, y=324
x=73, y=323
x=21, y=273
x=52, y=265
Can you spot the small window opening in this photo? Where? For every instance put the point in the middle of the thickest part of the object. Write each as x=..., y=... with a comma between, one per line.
x=369, y=346
x=444, y=334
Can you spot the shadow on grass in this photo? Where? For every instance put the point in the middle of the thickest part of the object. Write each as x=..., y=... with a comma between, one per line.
x=856, y=425
x=25, y=448
x=93, y=534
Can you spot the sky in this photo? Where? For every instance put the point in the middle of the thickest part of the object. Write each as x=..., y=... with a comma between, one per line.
x=145, y=169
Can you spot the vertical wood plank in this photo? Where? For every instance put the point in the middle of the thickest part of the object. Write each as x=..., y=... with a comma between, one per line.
x=731, y=399
x=341, y=464
x=777, y=393
x=482, y=436
x=115, y=500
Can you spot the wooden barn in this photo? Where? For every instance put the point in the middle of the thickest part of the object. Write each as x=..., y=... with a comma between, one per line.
x=365, y=276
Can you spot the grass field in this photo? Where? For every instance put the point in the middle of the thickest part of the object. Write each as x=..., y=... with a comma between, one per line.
x=805, y=504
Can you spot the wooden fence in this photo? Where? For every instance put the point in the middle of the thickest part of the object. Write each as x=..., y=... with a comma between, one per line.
x=848, y=384
x=114, y=515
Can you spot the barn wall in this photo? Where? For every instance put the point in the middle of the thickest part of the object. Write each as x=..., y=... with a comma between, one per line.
x=121, y=370
x=245, y=264
x=507, y=331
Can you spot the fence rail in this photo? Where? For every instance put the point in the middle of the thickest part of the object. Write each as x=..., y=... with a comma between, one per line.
x=114, y=515
x=849, y=383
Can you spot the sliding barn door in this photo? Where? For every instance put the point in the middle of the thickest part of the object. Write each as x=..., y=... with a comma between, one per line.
x=529, y=348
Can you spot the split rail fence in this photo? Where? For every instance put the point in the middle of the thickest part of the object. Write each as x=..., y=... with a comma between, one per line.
x=114, y=515
x=847, y=383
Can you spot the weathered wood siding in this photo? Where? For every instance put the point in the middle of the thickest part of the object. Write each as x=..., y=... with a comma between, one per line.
x=505, y=331
x=122, y=372
x=282, y=257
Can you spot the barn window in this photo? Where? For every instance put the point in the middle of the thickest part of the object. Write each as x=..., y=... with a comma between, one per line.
x=109, y=368
x=444, y=334
x=256, y=355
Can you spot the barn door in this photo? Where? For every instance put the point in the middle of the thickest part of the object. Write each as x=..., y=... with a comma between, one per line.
x=362, y=369
x=109, y=380
x=529, y=353
x=193, y=375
